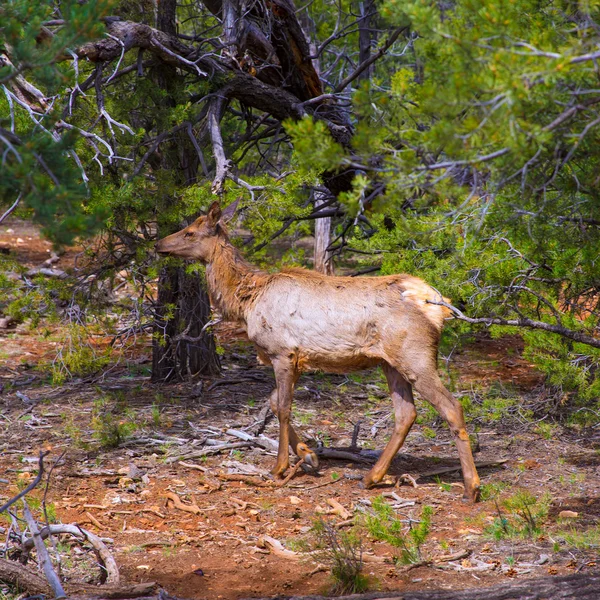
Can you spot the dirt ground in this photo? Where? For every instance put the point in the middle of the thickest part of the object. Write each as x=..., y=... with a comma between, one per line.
x=219, y=547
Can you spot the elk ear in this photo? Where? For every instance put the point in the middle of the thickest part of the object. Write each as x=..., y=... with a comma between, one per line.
x=213, y=215
x=229, y=212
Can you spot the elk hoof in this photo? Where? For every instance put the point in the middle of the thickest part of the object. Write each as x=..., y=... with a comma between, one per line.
x=366, y=483
x=472, y=497
x=309, y=457
x=278, y=472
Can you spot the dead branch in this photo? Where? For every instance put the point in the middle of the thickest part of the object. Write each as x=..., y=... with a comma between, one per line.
x=223, y=166
x=292, y=472
x=576, y=336
x=208, y=451
x=110, y=565
x=344, y=455
x=22, y=577
x=32, y=485
x=42, y=554
x=179, y=505
x=248, y=479
x=445, y=470
x=567, y=587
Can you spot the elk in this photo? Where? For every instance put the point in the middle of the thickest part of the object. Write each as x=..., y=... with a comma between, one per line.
x=300, y=320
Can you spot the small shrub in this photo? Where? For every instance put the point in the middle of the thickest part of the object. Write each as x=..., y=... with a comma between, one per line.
x=77, y=356
x=112, y=422
x=490, y=491
x=523, y=516
x=342, y=553
x=384, y=525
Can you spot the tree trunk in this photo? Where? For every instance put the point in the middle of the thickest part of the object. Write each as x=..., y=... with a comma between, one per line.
x=183, y=307
x=323, y=262
x=174, y=356
x=570, y=587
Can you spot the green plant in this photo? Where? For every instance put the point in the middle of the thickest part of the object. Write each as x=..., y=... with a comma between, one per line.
x=520, y=515
x=384, y=525
x=546, y=430
x=156, y=416
x=342, y=552
x=445, y=487
x=578, y=537
x=428, y=433
x=112, y=422
x=489, y=491
x=77, y=355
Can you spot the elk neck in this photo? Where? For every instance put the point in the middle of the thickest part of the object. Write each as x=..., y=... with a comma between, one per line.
x=233, y=283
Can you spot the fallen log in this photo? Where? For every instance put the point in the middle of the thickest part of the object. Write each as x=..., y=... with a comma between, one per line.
x=27, y=580
x=23, y=578
x=569, y=587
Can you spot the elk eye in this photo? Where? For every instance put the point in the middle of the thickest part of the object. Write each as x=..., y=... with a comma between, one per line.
x=188, y=234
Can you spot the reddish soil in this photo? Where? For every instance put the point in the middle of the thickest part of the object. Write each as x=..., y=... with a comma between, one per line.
x=120, y=493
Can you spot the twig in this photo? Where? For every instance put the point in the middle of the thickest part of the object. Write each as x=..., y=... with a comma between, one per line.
x=11, y=209
x=319, y=485
x=294, y=470
x=193, y=466
x=248, y=479
x=42, y=554
x=367, y=63
x=33, y=484
x=109, y=563
x=191, y=508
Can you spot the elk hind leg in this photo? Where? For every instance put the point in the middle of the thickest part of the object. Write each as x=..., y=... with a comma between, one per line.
x=431, y=388
x=405, y=414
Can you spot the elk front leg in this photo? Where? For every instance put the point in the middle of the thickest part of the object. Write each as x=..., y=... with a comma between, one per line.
x=285, y=377
x=297, y=445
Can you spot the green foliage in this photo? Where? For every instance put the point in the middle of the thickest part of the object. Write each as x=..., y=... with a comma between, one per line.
x=37, y=166
x=490, y=491
x=578, y=537
x=495, y=404
x=112, y=421
x=520, y=515
x=78, y=355
x=341, y=552
x=384, y=525
x=489, y=160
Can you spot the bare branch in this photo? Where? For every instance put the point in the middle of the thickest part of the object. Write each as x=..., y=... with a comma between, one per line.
x=223, y=164
x=32, y=485
x=42, y=554
x=9, y=211
x=365, y=65
x=576, y=336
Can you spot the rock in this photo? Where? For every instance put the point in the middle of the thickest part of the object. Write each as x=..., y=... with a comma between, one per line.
x=568, y=514
x=5, y=322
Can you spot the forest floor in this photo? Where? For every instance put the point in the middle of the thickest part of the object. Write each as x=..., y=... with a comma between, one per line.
x=222, y=545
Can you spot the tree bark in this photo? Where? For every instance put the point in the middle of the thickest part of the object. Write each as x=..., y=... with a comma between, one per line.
x=323, y=262
x=570, y=587
x=183, y=306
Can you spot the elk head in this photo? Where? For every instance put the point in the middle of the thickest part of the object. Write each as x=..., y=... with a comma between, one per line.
x=197, y=241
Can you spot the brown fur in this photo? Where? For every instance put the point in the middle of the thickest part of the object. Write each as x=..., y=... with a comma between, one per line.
x=301, y=320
